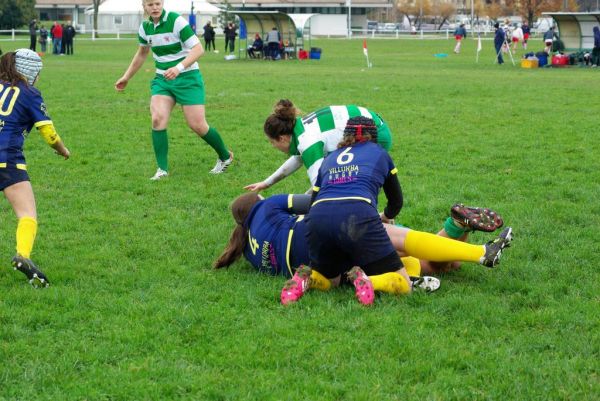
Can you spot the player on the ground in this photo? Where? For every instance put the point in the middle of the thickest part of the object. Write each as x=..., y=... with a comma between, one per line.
x=176, y=50
x=307, y=139
x=21, y=109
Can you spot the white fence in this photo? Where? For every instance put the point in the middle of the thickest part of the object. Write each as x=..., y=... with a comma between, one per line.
x=12, y=34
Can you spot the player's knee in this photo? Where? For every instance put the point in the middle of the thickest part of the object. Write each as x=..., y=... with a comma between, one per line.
x=200, y=128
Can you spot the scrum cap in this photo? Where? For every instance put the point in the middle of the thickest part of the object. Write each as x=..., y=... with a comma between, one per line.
x=28, y=64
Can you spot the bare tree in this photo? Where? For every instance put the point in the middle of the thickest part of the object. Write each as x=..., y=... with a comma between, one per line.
x=417, y=9
x=96, y=6
x=534, y=8
x=443, y=11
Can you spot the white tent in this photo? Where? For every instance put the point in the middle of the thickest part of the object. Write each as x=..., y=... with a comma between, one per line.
x=127, y=15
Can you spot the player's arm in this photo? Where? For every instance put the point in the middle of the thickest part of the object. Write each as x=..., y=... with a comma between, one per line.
x=287, y=168
x=393, y=193
x=195, y=52
x=299, y=204
x=136, y=63
x=48, y=132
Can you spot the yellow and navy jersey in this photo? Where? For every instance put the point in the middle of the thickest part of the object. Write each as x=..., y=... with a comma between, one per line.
x=21, y=108
x=271, y=225
x=354, y=172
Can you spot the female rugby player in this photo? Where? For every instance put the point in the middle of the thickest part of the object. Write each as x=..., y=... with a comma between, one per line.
x=22, y=108
x=307, y=139
x=178, y=80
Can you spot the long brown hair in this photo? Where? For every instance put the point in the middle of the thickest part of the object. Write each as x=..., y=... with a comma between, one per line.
x=8, y=70
x=358, y=129
x=282, y=120
x=240, y=208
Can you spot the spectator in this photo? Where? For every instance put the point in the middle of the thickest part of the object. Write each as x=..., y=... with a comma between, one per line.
x=548, y=39
x=32, y=34
x=62, y=43
x=69, y=34
x=526, y=33
x=273, y=39
x=209, y=37
x=288, y=50
x=596, y=49
x=459, y=34
x=43, y=38
x=57, y=34
x=517, y=35
x=499, y=39
x=257, y=46
x=230, y=34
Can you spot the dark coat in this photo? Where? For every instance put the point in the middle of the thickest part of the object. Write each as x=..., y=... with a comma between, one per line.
x=596, y=37
x=499, y=38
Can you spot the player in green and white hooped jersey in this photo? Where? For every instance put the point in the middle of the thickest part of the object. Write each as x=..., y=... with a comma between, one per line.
x=176, y=50
x=310, y=138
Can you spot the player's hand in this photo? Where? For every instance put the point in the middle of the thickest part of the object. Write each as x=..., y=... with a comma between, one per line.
x=171, y=73
x=64, y=152
x=121, y=84
x=259, y=186
x=385, y=219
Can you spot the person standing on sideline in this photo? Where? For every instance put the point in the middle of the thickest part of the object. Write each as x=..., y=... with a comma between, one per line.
x=57, y=34
x=19, y=71
x=43, y=38
x=499, y=39
x=273, y=38
x=459, y=34
x=178, y=80
x=69, y=34
x=596, y=49
x=32, y=34
x=209, y=37
x=230, y=35
x=526, y=33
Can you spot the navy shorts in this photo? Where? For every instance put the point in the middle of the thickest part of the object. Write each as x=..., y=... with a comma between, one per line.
x=342, y=234
x=12, y=175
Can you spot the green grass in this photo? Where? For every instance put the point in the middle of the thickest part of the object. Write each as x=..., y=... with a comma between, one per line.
x=136, y=311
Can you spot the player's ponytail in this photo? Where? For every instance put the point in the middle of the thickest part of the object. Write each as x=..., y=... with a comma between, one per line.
x=282, y=120
x=8, y=69
x=240, y=209
x=359, y=129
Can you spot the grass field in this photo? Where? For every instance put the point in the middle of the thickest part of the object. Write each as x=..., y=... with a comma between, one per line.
x=135, y=311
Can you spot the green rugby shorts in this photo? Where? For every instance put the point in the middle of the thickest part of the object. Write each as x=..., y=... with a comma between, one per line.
x=187, y=89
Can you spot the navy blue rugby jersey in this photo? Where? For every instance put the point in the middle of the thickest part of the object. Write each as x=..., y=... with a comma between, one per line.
x=21, y=108
x=354, y=172
x=270, y=232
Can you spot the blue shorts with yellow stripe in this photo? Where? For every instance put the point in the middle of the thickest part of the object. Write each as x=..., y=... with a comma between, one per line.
x=11, y=174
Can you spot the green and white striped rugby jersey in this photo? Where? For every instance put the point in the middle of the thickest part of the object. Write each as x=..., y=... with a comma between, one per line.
x=318, y=133
x=170, y=40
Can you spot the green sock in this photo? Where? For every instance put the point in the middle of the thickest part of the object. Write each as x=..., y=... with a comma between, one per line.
x=215, y=141
x=160, y=143
x=452, y=229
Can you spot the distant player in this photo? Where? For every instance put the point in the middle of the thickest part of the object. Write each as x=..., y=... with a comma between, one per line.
x=176, y=50
x=21, y=109
x=307, y=139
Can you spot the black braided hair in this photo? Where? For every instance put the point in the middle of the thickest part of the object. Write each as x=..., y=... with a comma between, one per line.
x=359, y=129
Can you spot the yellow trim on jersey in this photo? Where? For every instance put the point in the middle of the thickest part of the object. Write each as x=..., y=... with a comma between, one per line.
x=344, y=198
x=290, y=203
x=288, y=248
x=394, y=171
x=49, y=134
x=316, y=189
x=20, y=166
x=40, y=123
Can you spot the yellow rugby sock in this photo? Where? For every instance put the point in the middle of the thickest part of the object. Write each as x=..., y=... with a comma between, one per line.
x=392, y=283
x=412, y=265
x=319, y=281
x=26, y=231
x=435, y=248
